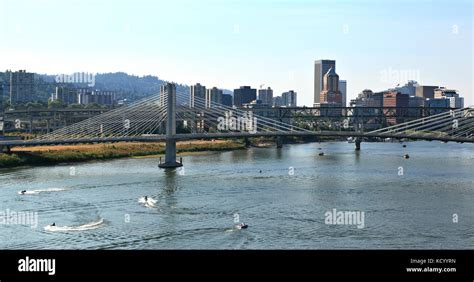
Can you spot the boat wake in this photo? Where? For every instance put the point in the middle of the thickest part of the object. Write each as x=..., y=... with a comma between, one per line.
x=85, y=227
x=149, y=202
x=38, y=191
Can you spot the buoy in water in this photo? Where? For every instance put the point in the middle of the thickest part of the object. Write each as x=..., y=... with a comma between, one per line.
x=404, y=146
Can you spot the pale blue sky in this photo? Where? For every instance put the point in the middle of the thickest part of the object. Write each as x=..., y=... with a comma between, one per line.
x=232, y=43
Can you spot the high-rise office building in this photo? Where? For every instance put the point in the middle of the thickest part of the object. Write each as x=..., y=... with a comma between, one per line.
x=21, y=86
x=330, y=95
x=227, y=100
x=244, y=95
x=321, y=67
x=289, y=98
x=213, y=97
x=266, y=96
x=197, y=95
x=343, y=89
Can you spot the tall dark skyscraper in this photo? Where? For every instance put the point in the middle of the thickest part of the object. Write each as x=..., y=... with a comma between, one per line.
x=321, y=67
x=244, y=95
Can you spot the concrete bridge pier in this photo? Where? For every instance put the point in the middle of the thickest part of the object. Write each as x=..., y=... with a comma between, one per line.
x=5, y=149
x=279, y=142
x=170, y=155
x=357, y=143
x=247, y=142
x=169, y=90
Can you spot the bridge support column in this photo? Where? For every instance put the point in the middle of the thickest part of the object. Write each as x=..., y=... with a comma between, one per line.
x=247, y=142
x=5, y=149
x=279, y=142
x=357, y=143
x=169, y=90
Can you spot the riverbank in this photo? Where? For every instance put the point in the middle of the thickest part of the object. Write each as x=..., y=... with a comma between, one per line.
x=50, y=155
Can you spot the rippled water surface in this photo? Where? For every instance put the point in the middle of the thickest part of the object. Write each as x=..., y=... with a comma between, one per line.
x=100, y=207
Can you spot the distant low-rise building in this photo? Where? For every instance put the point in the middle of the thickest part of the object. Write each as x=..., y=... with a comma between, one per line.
x=67, y=95
x=88, y=96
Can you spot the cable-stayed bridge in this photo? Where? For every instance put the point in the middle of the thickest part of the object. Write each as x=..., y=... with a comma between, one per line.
x=157, y=118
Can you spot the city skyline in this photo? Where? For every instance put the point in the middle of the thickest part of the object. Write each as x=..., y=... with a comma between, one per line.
x=369, y=55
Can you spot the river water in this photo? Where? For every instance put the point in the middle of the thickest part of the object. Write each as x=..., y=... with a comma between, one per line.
x=424, y=202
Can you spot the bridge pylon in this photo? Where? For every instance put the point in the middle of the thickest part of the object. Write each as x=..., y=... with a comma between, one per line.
x=169, y=90
x=357, y=143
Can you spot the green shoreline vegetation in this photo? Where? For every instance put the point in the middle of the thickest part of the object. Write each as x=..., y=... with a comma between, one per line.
x=51, y=155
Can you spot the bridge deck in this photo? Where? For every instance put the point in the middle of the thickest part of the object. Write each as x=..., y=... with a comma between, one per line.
x=178, y=137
